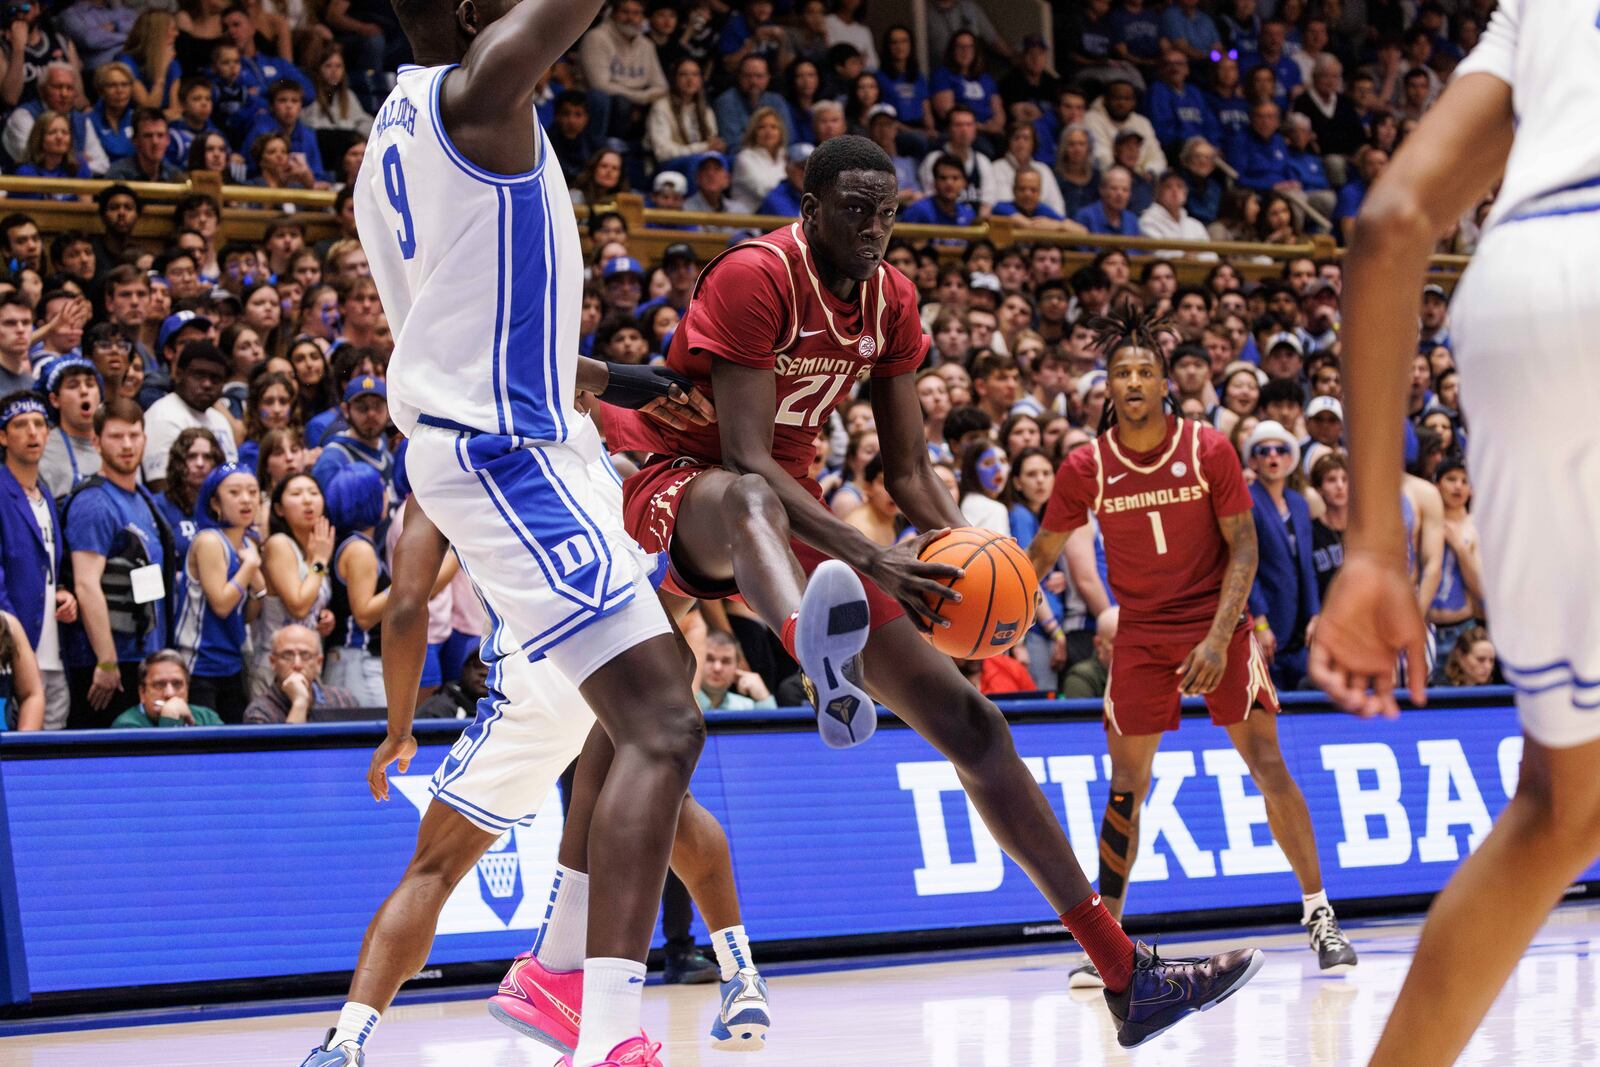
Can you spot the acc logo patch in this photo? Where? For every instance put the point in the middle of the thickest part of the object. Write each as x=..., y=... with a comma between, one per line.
x=1179, y=469
x=1004, y=632
x=869, y=346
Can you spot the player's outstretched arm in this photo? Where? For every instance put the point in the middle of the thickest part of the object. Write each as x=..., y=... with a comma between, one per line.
x=907, y=471
x=487, y=104
x=418, y=555
x=1442, y=170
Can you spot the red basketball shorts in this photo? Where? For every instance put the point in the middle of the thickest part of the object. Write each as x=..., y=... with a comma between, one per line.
x=650, y=502
x=1142, y=695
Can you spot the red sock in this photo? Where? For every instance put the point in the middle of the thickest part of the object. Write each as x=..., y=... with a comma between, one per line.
x=786, y=635
x=1102, y=939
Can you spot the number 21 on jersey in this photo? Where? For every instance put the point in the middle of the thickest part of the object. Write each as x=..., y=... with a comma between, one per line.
x=811, y=399
x=394, y=183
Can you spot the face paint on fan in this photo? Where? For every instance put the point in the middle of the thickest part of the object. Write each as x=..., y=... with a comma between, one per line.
x=993, y=470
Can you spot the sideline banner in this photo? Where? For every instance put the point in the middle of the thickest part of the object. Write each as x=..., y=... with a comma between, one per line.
x=215, y=857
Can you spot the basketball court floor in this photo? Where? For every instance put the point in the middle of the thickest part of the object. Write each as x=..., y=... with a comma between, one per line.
x=994, y=1011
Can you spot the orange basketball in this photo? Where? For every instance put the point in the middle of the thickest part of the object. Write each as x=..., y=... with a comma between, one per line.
x=997, y=591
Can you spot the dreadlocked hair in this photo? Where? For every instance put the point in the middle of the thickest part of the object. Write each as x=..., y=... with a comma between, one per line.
x=1126, y=325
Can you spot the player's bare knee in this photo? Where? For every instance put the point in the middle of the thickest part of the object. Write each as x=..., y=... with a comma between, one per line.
x=984, y=736
x=1132, y=783
x=751, y=502
x=675, y=738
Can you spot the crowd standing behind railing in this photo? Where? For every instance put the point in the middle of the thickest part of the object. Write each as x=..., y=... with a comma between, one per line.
x=199, y=471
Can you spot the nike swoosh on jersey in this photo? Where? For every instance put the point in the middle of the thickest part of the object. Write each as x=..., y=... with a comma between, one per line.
x=1115, y=478
x=811, y=333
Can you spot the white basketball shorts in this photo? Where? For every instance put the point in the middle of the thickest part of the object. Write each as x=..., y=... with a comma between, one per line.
x=1525, y=322
x=539, y=532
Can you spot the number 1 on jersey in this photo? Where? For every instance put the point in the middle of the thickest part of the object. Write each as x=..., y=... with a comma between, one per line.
x=394, y=183
x=1161, y=533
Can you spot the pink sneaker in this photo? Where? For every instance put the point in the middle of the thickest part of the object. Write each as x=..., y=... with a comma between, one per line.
x=544, y=1004
x=635, y=1052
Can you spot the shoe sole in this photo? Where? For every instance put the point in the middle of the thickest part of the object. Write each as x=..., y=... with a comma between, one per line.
x=745, y=1037
x=1338, y=969
x=1245, y=974
x=832, y=630
x=527, y=1029
x=1079, y=980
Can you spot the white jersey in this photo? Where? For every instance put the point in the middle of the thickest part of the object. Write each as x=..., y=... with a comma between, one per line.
x=480, y=274
x=1548, y=51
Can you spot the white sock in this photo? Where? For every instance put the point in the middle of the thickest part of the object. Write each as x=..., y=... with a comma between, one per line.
x=1316, y=900
x=733, y=951
x=356, y=1023
x=566, y=922
x=612, y=993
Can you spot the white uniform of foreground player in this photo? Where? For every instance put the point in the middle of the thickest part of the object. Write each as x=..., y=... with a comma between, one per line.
x=1524, y=323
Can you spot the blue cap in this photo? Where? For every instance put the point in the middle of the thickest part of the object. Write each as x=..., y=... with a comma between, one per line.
x=623, y=265
x=366, y=385
x=57, y=369
x=177, y=321
x=710, y=157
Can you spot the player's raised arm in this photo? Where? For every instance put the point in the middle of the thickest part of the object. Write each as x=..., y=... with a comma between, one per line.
x=487, y=104
x=1441, y=171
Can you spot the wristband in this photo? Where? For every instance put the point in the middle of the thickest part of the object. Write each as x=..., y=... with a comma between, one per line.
x=1262, y=626
x=111, y=666
x=630, y=386
x=244, y=593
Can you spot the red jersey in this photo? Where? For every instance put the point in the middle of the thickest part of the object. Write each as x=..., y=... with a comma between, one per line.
x=1158, y=513
x=762, y=304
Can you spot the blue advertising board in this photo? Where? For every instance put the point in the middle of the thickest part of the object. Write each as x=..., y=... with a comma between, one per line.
x=234, y=861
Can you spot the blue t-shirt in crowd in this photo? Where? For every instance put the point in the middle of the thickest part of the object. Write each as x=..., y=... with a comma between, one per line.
x=1093, y=218
x=115, y=137
x=1197, y=29
x=783, y=200
x=1233, y=126
x=1041, y=211
x=1178, y=116
x=1139, y=31
x=1350, y=198
x=181, y=524
x=977, y=93
x=1266, y=163
x=927, y=210
x=907, y=94
x=105, y=520
x=1307, y=168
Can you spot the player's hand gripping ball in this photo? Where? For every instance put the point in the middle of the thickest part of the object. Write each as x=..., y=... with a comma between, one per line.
x=997, y=593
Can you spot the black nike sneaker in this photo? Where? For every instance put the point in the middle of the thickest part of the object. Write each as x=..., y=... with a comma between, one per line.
x=1334, y=953
x=1162, y=991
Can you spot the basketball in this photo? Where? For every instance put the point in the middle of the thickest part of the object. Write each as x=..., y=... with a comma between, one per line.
x=997, y=591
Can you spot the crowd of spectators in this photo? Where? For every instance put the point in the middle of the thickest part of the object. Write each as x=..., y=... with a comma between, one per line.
x=200, y=481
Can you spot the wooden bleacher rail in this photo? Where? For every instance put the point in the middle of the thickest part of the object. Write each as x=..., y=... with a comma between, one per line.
x=246, y=210
x=242, y=217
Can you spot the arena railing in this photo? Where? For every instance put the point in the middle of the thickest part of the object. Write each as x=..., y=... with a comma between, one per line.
x=246, y=210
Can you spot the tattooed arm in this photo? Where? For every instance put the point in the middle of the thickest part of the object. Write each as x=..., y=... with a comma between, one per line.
x=1202, y=668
